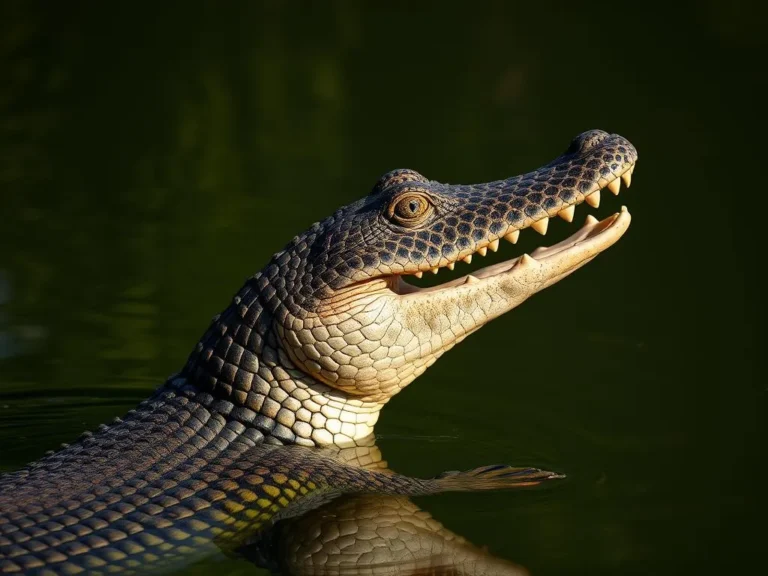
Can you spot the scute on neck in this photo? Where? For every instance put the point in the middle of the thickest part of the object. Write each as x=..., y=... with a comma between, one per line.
x=239, y=369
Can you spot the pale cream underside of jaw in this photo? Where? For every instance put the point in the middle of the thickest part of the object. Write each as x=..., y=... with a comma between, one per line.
x=373, y=344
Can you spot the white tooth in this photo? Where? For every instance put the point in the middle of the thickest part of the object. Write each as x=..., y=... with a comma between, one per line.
x=451, y=266
x=594, y=199
x=468, y=259
x=471, y=280
x=482, y=251
x=627, y=177
x=623, y=208
x=567, y=213
x=631, y=169
x=525, y=260
x=512, y=236
x=434, y=270
x=614, y=186
x=590, y=221
x=419, y=274
x=541, y=225
x=494, y=246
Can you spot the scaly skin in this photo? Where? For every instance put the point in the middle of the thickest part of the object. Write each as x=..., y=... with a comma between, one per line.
x=372, y=534
x=307, y=353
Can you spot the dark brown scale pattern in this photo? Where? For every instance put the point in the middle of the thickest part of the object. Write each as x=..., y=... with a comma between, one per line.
x=168, y=480
x=238, y=368
x=359, y=242
x=217, y=488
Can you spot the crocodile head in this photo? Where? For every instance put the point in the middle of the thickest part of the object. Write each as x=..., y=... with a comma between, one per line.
x=344, y=310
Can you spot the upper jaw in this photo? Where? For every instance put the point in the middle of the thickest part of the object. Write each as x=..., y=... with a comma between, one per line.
x=592, y=196
x=496, y=211
x=546, y=265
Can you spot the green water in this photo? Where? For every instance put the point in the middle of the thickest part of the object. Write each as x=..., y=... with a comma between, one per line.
x=152, y=158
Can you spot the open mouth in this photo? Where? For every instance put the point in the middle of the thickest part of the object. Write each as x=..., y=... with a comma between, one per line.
x=544, y=265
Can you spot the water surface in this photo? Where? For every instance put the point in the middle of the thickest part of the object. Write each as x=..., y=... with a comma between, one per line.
x=151, y=159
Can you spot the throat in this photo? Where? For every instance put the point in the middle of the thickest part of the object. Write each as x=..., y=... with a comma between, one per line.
x=239, y=370
x=289, y=411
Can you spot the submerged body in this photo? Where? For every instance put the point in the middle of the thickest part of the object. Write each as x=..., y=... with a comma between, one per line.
x=307, y=353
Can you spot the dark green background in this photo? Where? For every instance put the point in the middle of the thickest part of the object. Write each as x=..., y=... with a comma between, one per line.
x=152, y=157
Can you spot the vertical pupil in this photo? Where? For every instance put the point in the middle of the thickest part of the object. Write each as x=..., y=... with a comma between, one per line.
x=413, y=206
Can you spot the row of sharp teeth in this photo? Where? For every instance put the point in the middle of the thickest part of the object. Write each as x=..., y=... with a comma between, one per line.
x=593, y=199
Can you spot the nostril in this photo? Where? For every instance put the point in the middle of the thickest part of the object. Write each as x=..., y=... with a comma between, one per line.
x=586, y=140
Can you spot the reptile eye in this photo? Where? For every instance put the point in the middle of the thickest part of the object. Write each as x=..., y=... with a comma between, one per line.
x=409, y=210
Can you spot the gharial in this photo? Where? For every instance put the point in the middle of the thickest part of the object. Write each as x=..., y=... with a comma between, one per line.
x=307, y=353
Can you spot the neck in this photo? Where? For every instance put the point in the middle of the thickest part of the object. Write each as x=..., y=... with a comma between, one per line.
x=239, y=370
